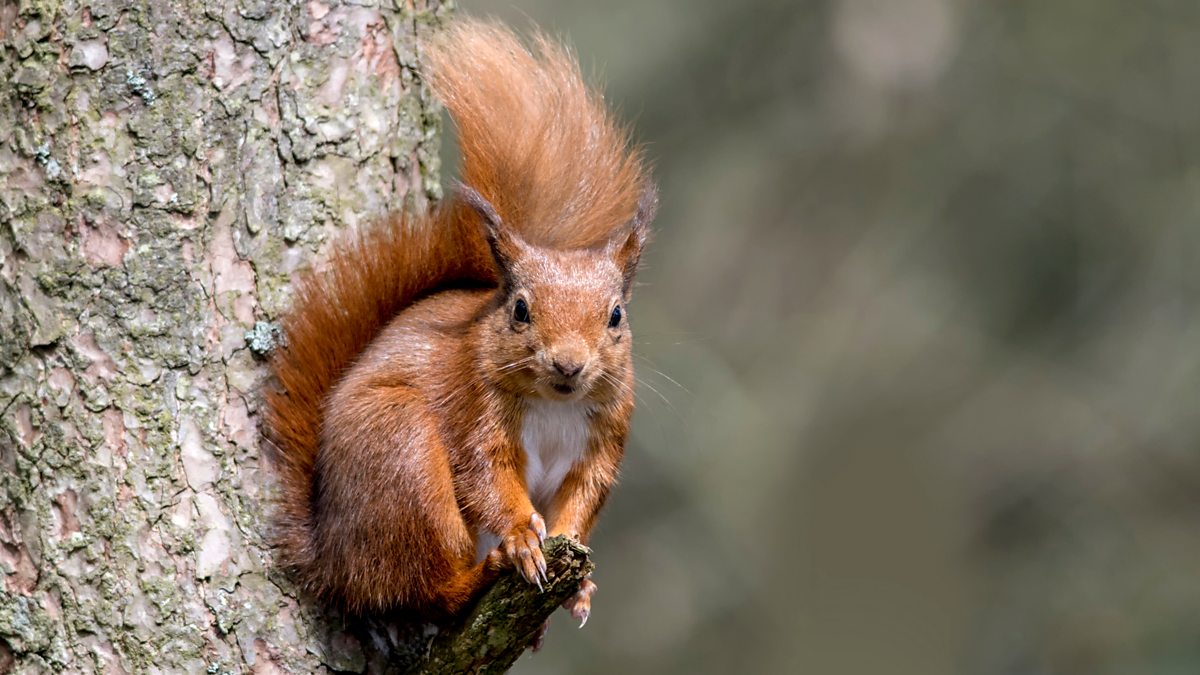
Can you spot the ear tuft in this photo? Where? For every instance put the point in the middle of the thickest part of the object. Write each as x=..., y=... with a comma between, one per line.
x=647, y=206
x=482, y=206
x=628, y=253
x=505, y=244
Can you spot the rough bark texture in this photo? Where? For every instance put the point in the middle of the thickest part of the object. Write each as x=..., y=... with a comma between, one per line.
x=164, y=166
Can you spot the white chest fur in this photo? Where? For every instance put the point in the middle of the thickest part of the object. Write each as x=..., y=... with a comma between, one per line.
x=555, y=435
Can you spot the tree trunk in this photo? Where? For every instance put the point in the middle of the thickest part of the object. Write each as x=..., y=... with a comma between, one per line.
x=164, y=166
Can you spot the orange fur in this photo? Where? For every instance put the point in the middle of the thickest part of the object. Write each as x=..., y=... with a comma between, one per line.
x=536, y=142
x=397, y=422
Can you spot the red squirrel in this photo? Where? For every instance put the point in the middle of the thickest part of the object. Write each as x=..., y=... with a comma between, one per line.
x=457, y=386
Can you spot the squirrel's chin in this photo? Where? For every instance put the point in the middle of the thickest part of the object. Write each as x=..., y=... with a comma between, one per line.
x=563, y=392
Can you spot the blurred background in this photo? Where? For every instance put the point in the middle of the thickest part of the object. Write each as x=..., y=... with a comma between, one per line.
x=919, y=341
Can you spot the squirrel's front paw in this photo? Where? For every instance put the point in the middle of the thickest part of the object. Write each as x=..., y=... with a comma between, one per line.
x=523, y=548
x=580, y=604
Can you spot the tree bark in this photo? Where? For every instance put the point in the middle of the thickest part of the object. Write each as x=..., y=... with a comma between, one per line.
x=507, y=618
x=165, y=166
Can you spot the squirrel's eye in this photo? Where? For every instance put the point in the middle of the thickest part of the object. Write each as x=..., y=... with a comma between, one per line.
x=614, y=319
x=521, y=312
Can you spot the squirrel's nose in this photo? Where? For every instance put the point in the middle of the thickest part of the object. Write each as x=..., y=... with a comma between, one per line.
x=568, y=368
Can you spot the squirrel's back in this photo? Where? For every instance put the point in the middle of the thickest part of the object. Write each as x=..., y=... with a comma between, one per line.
x=538, y=145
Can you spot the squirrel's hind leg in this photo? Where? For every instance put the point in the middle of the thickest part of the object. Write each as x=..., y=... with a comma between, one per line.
x=469, y=582
x=390, y=530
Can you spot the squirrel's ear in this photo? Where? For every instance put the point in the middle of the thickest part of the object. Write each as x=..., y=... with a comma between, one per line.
x=506, y=244
x=628, y=251
x=647, y=206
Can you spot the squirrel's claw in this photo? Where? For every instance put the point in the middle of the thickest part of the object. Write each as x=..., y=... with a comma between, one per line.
x=538, y=525
x=523, y=548
x=580, y=604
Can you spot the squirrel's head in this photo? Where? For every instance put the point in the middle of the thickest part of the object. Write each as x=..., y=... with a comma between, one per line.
x=559, y=328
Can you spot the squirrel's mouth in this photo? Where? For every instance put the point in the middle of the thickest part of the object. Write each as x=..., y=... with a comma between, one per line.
x=563, y=389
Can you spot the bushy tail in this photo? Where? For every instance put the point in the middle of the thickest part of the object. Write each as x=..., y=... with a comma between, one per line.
x=537, y=144
x=336, y=311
